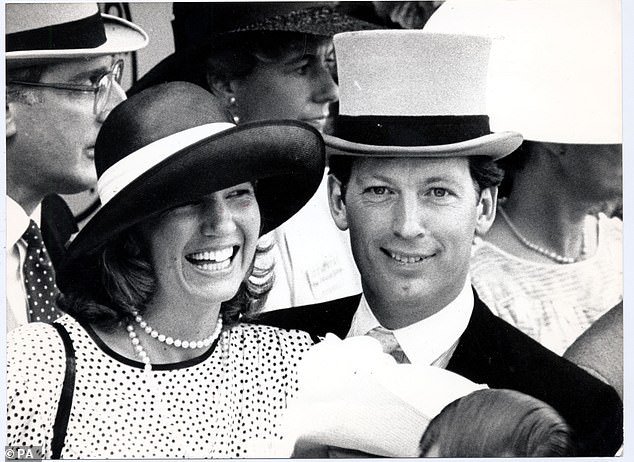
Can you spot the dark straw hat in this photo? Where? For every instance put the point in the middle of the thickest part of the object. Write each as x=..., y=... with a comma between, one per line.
x=197, y=24
x=171, y=144
x=408, y=93
x=42, y=32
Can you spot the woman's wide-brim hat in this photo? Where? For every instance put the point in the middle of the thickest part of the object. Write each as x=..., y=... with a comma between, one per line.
x=408, y=93
x=560, y=82
x=197, y=24
x=45, y=32
x=171, y=144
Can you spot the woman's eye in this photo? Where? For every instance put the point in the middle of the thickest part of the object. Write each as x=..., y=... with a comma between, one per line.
x=241, y=192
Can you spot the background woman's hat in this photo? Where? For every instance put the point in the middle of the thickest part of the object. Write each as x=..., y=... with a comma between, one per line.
x=42, y=32
x=195, y=24
x=171, y=144
x=560, y=82
x=415, y=94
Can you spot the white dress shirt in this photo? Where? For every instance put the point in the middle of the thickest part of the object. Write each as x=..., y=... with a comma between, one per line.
x=430, y=341
x=17, y=223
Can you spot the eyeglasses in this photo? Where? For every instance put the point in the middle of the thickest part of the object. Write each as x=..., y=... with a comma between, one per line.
x=102, y=88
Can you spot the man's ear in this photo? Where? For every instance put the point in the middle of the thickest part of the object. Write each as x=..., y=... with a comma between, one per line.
x=487, y=205
x=11, y=128
x=337, y=202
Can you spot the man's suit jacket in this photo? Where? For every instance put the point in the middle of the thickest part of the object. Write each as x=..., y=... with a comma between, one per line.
x=492, y=351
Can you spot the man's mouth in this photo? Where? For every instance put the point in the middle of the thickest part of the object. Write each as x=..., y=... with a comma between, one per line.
x=213, y=260
x=406, y=259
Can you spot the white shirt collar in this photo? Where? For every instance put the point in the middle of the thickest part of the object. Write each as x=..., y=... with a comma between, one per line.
x=18, y=220
x=424, y=341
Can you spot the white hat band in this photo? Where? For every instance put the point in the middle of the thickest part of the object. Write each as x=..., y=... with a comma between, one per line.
x=125, y=171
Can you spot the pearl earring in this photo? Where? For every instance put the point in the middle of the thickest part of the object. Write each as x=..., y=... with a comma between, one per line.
x=233, y=106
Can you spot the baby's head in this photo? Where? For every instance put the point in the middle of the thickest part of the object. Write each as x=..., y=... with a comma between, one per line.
x=497, y=423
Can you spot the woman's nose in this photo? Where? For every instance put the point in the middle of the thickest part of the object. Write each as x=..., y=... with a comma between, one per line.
x=326, y=89
x=217, y=219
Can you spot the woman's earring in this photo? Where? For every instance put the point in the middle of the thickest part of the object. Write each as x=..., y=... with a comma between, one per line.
x=233, y=107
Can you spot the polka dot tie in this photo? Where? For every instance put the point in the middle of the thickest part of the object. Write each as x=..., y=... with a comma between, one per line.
x=39, y=278
x=389, y=343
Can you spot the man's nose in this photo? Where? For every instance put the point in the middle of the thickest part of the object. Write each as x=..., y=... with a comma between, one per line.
x=408, y=219
x=116, y=96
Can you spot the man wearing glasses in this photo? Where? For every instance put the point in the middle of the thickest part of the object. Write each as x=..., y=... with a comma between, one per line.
x=63, y=75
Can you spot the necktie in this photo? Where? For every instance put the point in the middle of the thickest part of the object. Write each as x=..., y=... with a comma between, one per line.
x=389, y=343
x=39, y=278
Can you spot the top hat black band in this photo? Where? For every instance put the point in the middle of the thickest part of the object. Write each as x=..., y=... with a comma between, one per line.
x=410, y=130
x=88, y=32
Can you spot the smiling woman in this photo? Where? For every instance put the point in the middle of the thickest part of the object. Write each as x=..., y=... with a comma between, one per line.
x=155, y=285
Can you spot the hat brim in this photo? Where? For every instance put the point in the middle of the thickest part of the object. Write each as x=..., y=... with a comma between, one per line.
x=279, y=155
x=494, y=145
x=121, y=37
x=187, y=64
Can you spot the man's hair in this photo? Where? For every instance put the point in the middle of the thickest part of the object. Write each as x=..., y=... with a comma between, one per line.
x=484, y=172
x=234, y=56
x=108, y=286
x=498, y=423
x=27, y=74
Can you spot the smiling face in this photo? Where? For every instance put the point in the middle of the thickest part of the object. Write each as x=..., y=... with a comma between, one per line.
x=201, y=252
x=412, y=223
x=52, y=148
x=298, y=86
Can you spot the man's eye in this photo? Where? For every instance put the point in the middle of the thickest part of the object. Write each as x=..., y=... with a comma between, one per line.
x=378, y=190
x=439, y=192
x=302, y=70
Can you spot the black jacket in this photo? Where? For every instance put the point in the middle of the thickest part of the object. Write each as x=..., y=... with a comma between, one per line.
x=492, y=351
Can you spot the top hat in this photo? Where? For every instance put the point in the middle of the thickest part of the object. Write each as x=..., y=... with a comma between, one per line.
x=555, y=66
x=42, y=32
x=195, y=26
x=414, y=94
x=172, y=144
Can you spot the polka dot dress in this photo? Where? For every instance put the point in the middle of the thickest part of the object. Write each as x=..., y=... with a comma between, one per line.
x=39, y=278
x=226, y=403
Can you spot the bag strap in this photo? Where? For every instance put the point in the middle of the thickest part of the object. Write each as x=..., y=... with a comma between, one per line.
x=66, y=398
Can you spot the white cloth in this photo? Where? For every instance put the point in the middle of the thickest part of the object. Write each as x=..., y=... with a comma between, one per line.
x=17, y=224
x=552, y=303
x=228, y=402
x=430, y=341
x=353, y=396
x=313, y=260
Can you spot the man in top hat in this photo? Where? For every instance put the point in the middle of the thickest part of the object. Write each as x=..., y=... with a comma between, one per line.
x=412, y=177
x=63, y=77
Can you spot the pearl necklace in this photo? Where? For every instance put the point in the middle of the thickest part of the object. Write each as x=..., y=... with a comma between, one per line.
x=547, y=253
x=153, y=333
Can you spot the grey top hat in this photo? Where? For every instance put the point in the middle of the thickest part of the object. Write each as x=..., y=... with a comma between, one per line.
x=414, y=94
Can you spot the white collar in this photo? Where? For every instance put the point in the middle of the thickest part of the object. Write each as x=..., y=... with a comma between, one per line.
x=424, y=341
x=18, y=221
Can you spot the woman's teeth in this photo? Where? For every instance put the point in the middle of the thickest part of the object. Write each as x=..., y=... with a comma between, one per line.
x=212, y=260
